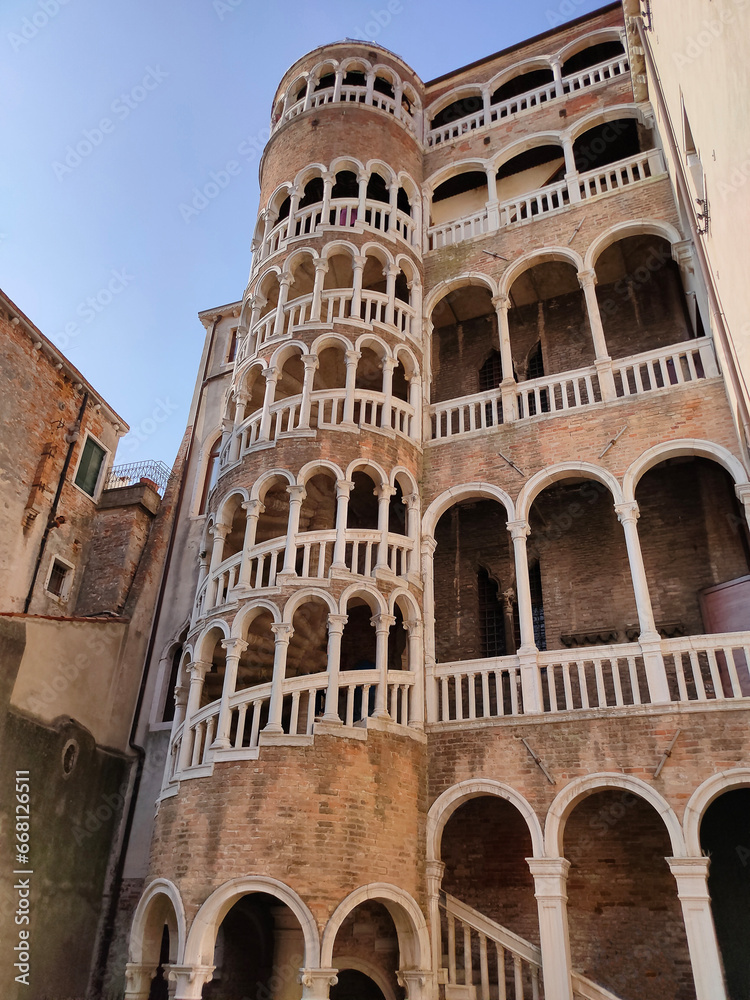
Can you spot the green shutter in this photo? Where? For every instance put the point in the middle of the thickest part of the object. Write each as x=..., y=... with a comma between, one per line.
x=89, y=466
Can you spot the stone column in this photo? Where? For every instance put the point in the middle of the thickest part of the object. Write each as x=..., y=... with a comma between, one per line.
x=417, y=983
x=239, y=415
x=219, y=533
x=321, y=269
x=343, y=489
x=370, y=87
x=428, y=615
x=691, y=875
x=384, y=494
x=603, y=362
x=434, y=871
x=486, y=105
x=190, y=980
x=310, y=361
x=297, y=494
x=571, y=171
x=362, y=202
x=508, y=384
x=493, y=212
x=391, y=273
x=336, y=625
x=387, y=365
x=358, y=265
x=416, y=667
x=550, y=885
x=271, y=375
x=351, y=359
x=267, y=227
x=557, y=73
x=382, y=623
x=280, y=321
x=531, y=683
x=258, y=302
x=411, y=502
x=138, y=980
x=283, y=633
x=253, y=508
x=415, y=401
x=294, y=200
x=235, y=649
x=316, y=983
x=180, y=703
x=309, y=90
x=198, y=671
x=628, y=514
x=328, y=180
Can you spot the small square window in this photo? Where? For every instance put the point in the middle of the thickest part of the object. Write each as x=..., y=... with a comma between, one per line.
x=58, y=581
x=89, y=467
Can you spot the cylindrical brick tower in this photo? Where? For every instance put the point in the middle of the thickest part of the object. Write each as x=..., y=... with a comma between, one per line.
x=297, y=759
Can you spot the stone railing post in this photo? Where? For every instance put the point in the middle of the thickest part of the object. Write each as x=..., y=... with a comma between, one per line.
x=235, y=649
x=283, y=632
x=550, y=888
x=603, y=362
x=198, y=670
x=531, y=682
x=336, y=625
x=382, y=623
x=297, y=494
x=343, y=489
x=253, y=509
x=508, y=386
x=691, y=875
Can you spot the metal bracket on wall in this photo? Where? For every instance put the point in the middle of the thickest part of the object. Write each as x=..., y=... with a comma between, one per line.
x=512, y=464
x=614, y=440
x=538, y=761
x=667, y=753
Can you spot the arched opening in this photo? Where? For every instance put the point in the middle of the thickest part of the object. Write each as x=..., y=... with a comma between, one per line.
x=625, y=920
x=255, y=389
x=211, y=475
x=377, y=189
x=610, y=142
x=467, y=105
x=549, y=328
x=578, y=564
x=307, y=647
x=326, y=79
x=340, y=273
x=641, y=299
x=593, y=55
x=259, y=951
x=725, y=839
x=256, y=662
x=464, y=335
x=234, y=515
x=331, y=370
x=269, y=293
x=363, y=503
x=273, y=520
x=159, y=985
x=524, y=83
x=355, y=76
x=155, y=941
x=531, y=170
x=368, y=935
x=370, y=369
x=403, y=204
x=318, y=511
x=383, y=86
x=400, y=385
x=290, y=378
x=484, y=847
x=358, y=652
x=397, y=512
x=398, y=656
x=312, y=195
x=461, y=195
x=355, y=985
x=694, y=541
x=474, y=575
x=213, y=652
x=303, y=274
x=345, y=191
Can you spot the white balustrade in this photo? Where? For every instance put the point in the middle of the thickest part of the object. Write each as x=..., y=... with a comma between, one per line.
x=266, y=561
x=596, y=74
x=352, y=94
x=457, y=230
x=263, y=329
x=534, y=203
x=708, y=667
x=486, y=959
x=620, y=174
x=596, y=677
x=557, y=392
x=470, y=413
x=522, y=102
x=406, y=228
x=454, y=129
x=478, y=689
x=664, y=367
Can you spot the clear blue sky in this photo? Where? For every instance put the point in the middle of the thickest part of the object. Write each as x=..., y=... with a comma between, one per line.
x=181, y=84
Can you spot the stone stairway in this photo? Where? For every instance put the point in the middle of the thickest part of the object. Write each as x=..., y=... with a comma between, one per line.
x=484, y=961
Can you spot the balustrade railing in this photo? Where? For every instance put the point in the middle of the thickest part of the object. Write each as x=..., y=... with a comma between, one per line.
x=349, y=94
x=534, y=203
x=704, y=668
x=303, y=700
x=455, y=231
x=662, y=368
x=485, y=959
x=531, y=99
x=620, y=174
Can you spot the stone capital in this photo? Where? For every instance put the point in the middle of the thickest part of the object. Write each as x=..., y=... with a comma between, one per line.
x=413, y=626
x=283, y=632
x=317, y=982
x=384, y=491
x=518, y=529
x=190, y=980
x=343, y=487
x=234, y=647
x=321, y=264
x=310, y=361
x=254, y=508
x=628, y=512
x=297, y=493
x=587, y=278
x=138, y=980
x=382, y=622
x=270, y=374
x=411, y=500
x=199, y=668
x=220, y=530
x=336, y=623
x=351, y=357
x=429, y=545
x=501, y=301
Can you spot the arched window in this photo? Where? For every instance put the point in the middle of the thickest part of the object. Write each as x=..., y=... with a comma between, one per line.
x=211, y=475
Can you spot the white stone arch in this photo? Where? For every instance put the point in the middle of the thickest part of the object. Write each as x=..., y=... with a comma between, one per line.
x=580, y=788
x=507, y=153
x=369, y=594
x=211, y=626
x=673, y=449
x=393, y=78
x=285, y=351
x=469, y=279
x=307, y=174
x=411, y=926
x=339, y=246
x=278, y=196
x=317, y=73
x=263, y=481
x=290, y=94
x=236, y=491
x=407, y=182
x=401, y=593
x=374, y=249
x=622, y=230
x=374, y=342
x=534, y=257
x=701, y=799
x=456, y=94
x=405, y=264
x=357, y=60
x=249, y=612
x=350, y=163
x=379, y=166
x=296, y=257
x=151, y=913
x=199, y=949
x=330, y=339
x=565, y=470
x=452, y=798
x=212, y=438
x=453, y=170
x=518, y=69
x=611, y=34
x=466, y=491
x=271, y=270
x=401, y=472
x=411, y=367
x=243, y=377
x=369, y=969
x=304, y=596
x=317, y=465
x=373, y=469
x=602, y=115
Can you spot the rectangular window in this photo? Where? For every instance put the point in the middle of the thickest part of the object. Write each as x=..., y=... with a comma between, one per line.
x=232, y=353
x=58, y=581
x=90, y=466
